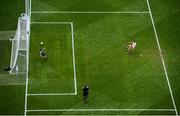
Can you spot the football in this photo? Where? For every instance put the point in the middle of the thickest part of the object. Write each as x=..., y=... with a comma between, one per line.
x=41, y=43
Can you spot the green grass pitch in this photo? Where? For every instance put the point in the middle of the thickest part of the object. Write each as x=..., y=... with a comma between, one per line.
x=86, y=44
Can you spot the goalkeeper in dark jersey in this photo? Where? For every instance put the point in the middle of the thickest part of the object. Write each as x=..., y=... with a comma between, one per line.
x=43, y=53
x=85, y=92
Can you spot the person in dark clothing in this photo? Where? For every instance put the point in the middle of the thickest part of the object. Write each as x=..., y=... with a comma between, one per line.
x=85, y=92
x=43, y=53
x=7, y=69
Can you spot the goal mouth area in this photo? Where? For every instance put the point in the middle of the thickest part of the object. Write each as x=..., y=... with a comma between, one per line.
x=20, y=46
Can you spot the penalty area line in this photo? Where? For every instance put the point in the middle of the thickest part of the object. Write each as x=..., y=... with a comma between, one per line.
x=90, y=110
x=73, y=55
x=50, y=94
x=51, y=22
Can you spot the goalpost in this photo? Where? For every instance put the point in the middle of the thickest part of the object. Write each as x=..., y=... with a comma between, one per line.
x=20, y=42
x=20, y=45
x=28, y=7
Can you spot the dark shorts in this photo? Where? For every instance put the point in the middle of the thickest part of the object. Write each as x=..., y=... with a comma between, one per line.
x=85, y=94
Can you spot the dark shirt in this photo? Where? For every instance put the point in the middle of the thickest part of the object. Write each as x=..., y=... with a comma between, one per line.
x=85, y=90
x=43, y=53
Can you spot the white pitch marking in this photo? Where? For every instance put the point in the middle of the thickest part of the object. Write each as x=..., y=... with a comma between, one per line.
x=51, y=23
x=162, y=59
x=30, y=9
x=20, y=73
x=27, y=67
x=50, y=94
x=89, y=12
x=89, y=110
x=74, y=62
x=26, y=91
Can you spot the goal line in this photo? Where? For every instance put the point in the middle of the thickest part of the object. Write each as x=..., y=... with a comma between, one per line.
x=90, y=12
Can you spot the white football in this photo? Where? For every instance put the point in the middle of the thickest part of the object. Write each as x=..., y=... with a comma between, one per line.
x=41, y=43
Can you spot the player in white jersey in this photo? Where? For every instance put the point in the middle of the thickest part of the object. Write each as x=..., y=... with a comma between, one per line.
x=131, y=46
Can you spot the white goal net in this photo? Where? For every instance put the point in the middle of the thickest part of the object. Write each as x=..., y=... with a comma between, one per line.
x=20, y=45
